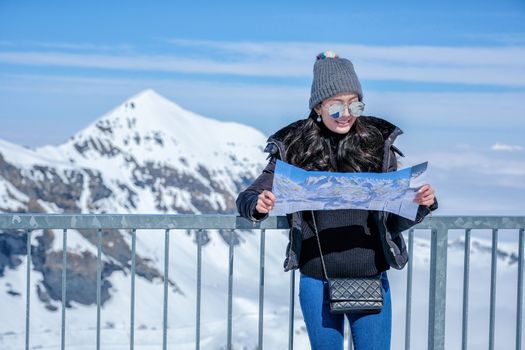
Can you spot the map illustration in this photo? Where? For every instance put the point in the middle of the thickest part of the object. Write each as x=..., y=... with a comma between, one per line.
x=297, y=190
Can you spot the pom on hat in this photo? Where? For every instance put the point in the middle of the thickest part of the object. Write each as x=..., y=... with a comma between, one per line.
x=327, y=54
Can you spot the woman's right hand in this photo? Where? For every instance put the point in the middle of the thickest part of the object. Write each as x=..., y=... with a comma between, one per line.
x=265, y=202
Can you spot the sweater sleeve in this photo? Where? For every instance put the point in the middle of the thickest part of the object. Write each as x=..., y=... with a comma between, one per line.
x=247, y=199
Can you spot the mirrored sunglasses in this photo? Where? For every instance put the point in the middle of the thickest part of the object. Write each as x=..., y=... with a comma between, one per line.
x=336, y=109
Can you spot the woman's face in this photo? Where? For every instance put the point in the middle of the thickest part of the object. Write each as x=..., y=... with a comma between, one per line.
x=344, y=123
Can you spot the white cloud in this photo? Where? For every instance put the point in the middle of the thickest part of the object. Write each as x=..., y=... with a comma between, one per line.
x=271, y=105
x=500, y=38
x=416, y=54
x=478, y=162
x=504, y=147
x=501, y=66
x=154, y=63
x=69, y=46
x=85, y=46
x=459, y=111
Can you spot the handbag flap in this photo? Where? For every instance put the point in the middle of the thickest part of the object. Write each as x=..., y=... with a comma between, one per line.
x=355, y=289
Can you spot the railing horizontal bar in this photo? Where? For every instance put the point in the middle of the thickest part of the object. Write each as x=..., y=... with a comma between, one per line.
x=137, y=221
x=211, y=221
x=472, y=222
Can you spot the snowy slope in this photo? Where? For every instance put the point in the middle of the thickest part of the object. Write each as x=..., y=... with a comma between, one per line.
x=81, y=320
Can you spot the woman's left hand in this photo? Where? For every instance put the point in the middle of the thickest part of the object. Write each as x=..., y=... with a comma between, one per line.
x=425, y=196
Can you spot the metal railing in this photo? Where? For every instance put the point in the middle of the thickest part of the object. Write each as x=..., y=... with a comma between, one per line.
x=439, y=227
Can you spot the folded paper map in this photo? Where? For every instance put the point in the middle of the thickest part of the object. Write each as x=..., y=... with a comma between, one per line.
x=297, y=190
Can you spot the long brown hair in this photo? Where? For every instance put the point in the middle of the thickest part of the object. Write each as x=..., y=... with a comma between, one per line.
x=310, y=144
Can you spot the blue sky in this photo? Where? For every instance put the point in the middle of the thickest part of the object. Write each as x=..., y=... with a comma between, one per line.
x=451, y=74
x=68, y=63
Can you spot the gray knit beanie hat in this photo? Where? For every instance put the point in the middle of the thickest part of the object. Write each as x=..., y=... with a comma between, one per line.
x=333, y=75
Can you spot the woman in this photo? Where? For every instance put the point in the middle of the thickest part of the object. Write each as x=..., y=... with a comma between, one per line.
x=354, y=243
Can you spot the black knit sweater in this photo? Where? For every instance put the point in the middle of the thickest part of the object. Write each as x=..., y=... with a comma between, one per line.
x=350, y=243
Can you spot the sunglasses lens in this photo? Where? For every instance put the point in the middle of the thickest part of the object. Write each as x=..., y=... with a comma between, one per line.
x=336, y=110
x=356, y=108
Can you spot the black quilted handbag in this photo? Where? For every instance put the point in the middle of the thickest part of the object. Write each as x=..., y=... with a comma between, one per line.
x=358, y=295
x=355, y=294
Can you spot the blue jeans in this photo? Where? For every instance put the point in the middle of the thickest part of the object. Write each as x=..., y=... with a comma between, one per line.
x=326, y=330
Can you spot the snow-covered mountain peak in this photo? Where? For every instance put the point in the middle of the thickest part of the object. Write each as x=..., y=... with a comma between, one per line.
x=142, y=114
x=149, y=94
x=147, y=108
x=149, y=148
x=149, y=125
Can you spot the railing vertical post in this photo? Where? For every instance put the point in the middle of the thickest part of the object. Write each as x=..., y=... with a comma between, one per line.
x=408, y=315
x=466, y=274
x=199, y=272
x=291, y=313
x=437, y=289
x=261, y=288
x=493, y=272
x=132, y=316
x=166, y=280
x=519, y=309
x=230, y=292
x=99, y=282
x=64, y=276
x=28, y=285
